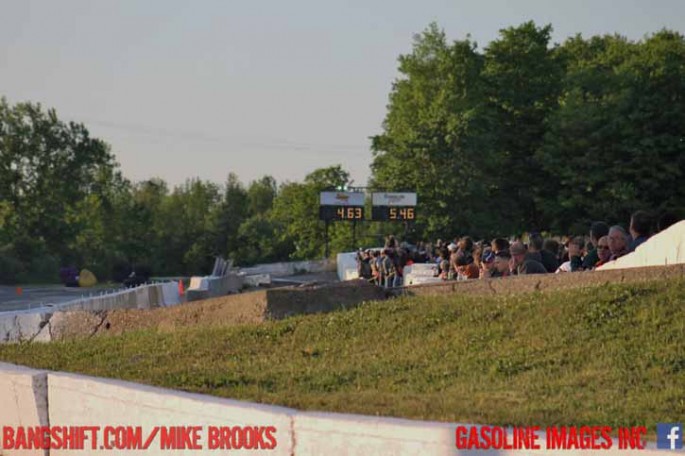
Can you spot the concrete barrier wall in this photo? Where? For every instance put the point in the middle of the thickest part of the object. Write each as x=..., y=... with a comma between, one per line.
x=23, y=401
x=291, y=268
x=347, y=435
x=36, y=398
x=24, y=325
x=346, y=264
x=420, y=273
x=36, y=324
x=340, y=434
x=142, y=297
x=170, y=296
x=213, y=287
x=85, y=401
x=258, y=280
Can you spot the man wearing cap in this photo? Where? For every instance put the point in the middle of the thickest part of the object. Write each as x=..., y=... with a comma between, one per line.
x=521, y=264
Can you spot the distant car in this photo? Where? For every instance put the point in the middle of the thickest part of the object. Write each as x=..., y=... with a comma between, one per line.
x=69, y=276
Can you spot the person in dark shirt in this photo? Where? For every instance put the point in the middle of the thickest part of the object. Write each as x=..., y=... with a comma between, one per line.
x=521, y=263
x=548, y=260
x=553, y=246
x=640, y=229
x=666, y=220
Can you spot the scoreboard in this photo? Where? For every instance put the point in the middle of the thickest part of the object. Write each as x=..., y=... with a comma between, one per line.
x=349, y=206
x=336, y=206
x=394, y=207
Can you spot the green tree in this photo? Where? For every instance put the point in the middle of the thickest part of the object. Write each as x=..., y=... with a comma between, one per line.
x=260, y=195
x=523, y=79
x=49, y=171
x=296, y=210
x=435, y=139
x=186, y=228
x=231, y=212
x=615, y=144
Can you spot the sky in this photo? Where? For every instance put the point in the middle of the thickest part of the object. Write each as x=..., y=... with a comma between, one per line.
x=184, y=89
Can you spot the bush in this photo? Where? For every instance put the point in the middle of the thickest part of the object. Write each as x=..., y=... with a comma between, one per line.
x=42, y=268
x=121, y=270
x=10, y=266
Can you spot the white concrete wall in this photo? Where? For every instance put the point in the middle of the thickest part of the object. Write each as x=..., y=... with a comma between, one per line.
x=258, y=279
x=23, y=401
x=170, y=296
x=290, y=268
x=29, y=325
x=79, y=400
x=419, y=273
x=662, y=249
x=346, y=263
x=142, y=297
x=24, y=325
x=346, y=435
x=218, y=286
x=35, y=398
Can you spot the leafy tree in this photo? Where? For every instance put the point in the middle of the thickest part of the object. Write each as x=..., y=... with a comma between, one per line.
x=522, y=78
x=260, y=195
x=615, y=144
x=185, y=228
x=231, y=212
x=435, y=138
x=48, y=171
x=296, y=210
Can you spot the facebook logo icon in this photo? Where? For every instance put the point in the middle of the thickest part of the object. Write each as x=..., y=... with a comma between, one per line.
x=669, y=436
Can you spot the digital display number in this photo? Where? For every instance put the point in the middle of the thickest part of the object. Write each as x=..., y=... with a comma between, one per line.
x=394, y=213
x=401, y=213
x=352, y=213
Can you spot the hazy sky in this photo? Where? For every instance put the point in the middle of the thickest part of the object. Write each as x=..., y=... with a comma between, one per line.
x=201, y=88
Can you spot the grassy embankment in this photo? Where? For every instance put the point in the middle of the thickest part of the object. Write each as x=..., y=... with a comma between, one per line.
x=610, y=355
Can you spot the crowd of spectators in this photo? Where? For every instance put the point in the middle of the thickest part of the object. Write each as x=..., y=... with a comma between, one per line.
x=464, y=259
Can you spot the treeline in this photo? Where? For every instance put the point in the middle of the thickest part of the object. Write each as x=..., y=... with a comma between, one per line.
x=64, y=202
x=530, y=136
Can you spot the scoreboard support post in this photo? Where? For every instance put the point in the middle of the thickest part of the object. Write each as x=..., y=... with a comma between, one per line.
x=354, y=234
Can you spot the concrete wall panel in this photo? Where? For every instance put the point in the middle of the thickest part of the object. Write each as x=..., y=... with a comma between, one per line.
x=86, y=401
x=23, y=401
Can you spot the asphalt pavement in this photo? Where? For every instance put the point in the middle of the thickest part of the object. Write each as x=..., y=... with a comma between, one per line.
x=32, y=297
